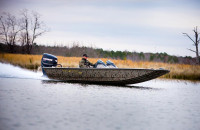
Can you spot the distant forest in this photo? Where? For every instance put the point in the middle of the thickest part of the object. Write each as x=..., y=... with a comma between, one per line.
x=77, y=51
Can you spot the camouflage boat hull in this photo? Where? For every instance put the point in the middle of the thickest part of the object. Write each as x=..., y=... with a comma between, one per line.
x=117, y=76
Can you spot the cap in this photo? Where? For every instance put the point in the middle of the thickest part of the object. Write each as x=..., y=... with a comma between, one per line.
x=85, y=55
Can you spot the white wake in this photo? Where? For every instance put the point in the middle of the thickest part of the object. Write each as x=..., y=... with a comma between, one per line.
x=11, y=71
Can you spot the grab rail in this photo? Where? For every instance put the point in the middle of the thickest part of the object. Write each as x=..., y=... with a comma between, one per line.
x=59, y=64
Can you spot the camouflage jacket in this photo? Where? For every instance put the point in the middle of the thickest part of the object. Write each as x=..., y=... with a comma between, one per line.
x=84, y=63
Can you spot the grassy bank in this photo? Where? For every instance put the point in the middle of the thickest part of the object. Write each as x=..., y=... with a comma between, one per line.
x=177, y=71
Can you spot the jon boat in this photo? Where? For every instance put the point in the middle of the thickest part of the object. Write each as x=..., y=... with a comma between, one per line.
x=115, y=76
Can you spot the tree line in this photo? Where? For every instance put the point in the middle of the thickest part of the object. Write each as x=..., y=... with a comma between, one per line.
x=77, y=51
x=22, y=29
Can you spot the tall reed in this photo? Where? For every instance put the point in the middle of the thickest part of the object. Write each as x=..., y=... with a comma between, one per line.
x=177, y=71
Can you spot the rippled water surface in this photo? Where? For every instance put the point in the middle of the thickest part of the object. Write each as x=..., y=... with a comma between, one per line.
x=30, y=102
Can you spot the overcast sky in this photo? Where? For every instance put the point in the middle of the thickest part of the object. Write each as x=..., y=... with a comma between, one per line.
x=133, y=25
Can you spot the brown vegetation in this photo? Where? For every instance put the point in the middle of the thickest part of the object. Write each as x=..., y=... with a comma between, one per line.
x=76, y=51
x=177, y=71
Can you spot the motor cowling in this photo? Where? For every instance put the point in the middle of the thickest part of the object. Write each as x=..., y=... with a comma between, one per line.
x=49, y=60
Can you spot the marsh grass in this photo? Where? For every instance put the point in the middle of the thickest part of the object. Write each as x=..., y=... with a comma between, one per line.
x=177, y=71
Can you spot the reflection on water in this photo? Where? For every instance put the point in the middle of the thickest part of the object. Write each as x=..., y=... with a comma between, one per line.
x=88, y=85
x=35, y=103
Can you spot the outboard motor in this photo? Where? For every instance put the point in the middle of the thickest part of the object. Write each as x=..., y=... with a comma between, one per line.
x=48, y=60
x=100, y=64
x=110, y=64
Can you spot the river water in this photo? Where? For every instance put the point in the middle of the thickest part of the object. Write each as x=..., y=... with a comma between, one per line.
x=29, y=101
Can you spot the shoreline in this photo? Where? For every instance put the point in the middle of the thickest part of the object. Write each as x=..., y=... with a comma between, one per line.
x=177, y=71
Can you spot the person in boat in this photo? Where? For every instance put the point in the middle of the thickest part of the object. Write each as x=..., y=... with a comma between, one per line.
x=84, y=63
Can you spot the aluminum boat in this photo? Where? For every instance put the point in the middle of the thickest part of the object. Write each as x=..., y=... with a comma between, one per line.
x=115, y=76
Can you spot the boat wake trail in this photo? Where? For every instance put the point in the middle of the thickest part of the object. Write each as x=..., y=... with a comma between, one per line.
x=10, y=71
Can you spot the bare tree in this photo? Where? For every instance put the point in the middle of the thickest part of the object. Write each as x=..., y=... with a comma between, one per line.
x=33, y=27
x=9, y=29
x=196, y=43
